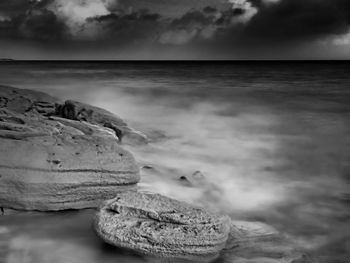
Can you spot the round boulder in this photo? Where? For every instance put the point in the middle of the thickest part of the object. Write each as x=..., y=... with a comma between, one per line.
x=156, y=225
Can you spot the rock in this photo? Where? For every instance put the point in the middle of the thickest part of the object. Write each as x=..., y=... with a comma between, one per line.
x=197, y=179
x=43, y=107
x=21, y=101
x=198, y=175
x=74, y=110
x=133, y=137
x=83, y=112
x=147, y=167
x=185, y=182
x=28, y=101
x=151, y=224
x=51, y=163
x=87, y=128
x=155, y=225
x=256, y=242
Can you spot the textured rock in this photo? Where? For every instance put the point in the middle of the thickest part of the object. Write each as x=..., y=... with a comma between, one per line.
x=52, y=163
x=194, y=180
x=155, y=225
x=28, y=101
x=256, y=242
x=82, y=112
x=21, y=101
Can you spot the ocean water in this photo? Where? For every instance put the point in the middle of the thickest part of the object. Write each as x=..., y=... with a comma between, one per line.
x=271, y=138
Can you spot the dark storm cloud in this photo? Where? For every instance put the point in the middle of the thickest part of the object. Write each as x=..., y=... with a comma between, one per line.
x=299, y=19
x=30, y=20
x=209, y=10
x=127, y=27
x=14, y=6
x=243, y=21
x=76, y=21
x=273, y=22
x=205, y=25
x=42, y=25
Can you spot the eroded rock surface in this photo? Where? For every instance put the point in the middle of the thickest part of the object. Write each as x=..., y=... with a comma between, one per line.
x=83, y=112
x=155, y=225
x=51, y=163
x=152, y=224
x=256, y=242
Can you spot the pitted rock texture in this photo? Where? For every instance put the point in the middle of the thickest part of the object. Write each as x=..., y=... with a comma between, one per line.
x=27, y=101
x=151, y=224
x=52, y=163
x=82, y=112
x=155, y=225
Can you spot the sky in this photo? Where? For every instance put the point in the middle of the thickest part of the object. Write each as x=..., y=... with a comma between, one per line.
x=174, y=29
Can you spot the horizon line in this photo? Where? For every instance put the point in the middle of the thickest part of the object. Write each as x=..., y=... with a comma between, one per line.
x=172, y=60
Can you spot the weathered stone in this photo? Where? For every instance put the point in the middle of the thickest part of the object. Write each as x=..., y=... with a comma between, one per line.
x=21, y=100
x=87, y=128
x=256, y=242
x=82, y=112
x=198, y=175
x=28, y=101
x=155, y=225
x=197, y=179
x=185, y=182
x=54, y=163
x=44, y=108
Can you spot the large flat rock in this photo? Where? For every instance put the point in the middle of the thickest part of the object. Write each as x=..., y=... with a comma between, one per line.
x=48, y=162
x=155, y=225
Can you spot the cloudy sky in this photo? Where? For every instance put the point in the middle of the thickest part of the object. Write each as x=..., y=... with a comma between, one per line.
x=175, y=29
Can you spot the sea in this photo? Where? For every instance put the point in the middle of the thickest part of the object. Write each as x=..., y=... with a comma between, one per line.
x=272, y=138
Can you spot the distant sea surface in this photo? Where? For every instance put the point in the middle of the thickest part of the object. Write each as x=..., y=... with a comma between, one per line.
x=272, y=138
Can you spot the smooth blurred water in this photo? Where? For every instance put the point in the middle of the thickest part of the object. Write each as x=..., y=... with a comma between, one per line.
x=272, y=138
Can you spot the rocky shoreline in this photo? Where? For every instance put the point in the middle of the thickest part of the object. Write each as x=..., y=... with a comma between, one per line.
x=58, y=155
